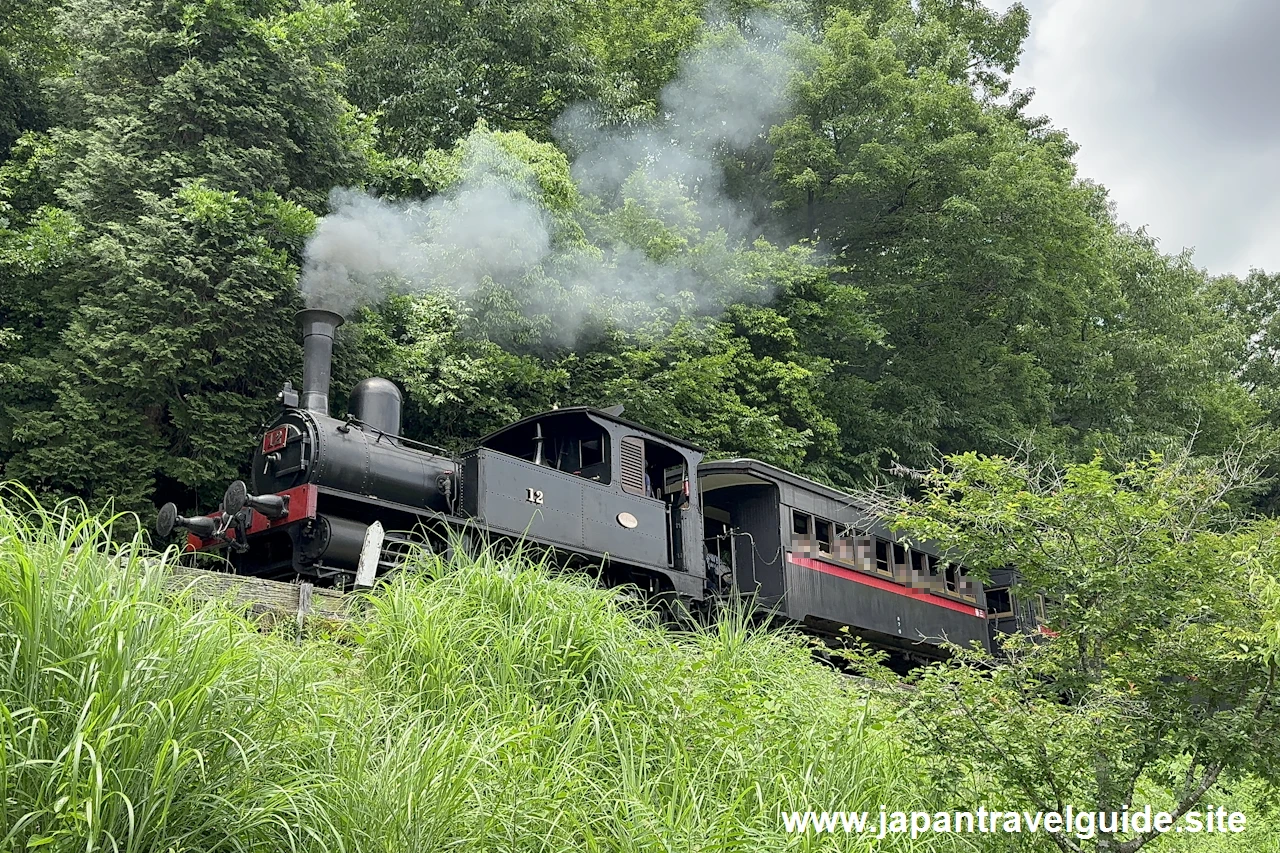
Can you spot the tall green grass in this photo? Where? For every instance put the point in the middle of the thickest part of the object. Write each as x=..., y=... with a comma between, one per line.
x=478, y=704
x=133, y=722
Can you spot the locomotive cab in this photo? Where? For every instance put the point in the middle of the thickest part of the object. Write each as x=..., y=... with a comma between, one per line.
x=594, y=485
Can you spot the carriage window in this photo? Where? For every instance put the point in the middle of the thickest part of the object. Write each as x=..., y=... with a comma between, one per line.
x=851, y=547
x=882, y=557
x=800, y=523
x=951, y=580
x=802, y=533
x=822, y=529
x=999, y=603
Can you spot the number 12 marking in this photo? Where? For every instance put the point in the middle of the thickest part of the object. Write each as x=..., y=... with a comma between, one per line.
x=533, y=496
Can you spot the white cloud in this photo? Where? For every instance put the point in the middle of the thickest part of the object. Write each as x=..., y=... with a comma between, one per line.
x=1174, y=106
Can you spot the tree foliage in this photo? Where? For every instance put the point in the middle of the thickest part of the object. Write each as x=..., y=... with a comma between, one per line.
x=433, y=70
x=29, y=50
x=910, y=263
x=1157, y=668
x=149, y=241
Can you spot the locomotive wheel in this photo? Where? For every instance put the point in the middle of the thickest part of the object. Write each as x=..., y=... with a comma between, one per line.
x=675, y=612
x=401, y=551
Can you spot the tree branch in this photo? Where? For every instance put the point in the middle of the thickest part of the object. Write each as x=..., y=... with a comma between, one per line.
x=1210, y=776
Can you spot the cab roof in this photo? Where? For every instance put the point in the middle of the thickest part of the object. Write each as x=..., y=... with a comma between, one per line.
x=600, y=415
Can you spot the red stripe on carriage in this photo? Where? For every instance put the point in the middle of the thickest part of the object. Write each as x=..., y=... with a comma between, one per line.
x=886, y=585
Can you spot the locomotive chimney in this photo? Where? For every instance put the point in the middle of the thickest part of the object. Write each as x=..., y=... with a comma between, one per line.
x=318, y=327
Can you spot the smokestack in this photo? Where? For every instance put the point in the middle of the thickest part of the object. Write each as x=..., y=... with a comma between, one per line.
x=318, y=327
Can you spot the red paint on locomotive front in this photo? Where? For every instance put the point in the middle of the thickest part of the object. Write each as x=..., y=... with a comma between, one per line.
x=302, y=506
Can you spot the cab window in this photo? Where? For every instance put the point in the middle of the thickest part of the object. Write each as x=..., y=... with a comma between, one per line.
x=571, y=443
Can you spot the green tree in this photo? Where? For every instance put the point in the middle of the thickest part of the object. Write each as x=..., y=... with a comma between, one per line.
x=1253, y=306
x=1157, y=668
x=636, y=48
x=975, y=245
x=1157, y=360
x=1011, y=304
x=432, y=70
x=150, y=237
x=29, y=51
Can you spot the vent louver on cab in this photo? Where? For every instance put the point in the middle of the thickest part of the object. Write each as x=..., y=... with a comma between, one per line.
x=632, y=449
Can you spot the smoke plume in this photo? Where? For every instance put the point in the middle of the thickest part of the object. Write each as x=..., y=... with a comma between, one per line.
x=725, y=97
x=367, y=248
x=493, y=227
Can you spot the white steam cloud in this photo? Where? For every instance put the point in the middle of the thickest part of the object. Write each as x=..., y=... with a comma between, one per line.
x=726, y=95
x=492, y=226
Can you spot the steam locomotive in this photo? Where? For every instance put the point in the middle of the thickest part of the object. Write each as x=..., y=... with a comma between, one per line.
x=340, y=501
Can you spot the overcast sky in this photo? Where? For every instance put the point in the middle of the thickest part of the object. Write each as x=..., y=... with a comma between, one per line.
x=1176, y=107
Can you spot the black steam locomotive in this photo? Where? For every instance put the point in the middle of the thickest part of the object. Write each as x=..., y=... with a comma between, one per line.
x=339, y=500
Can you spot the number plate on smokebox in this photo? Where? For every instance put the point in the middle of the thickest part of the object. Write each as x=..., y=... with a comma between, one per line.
x=275, y=439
